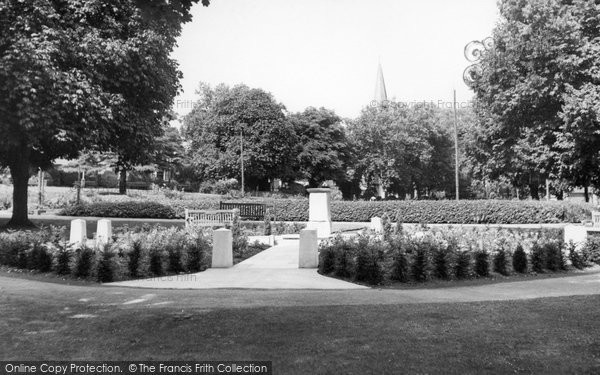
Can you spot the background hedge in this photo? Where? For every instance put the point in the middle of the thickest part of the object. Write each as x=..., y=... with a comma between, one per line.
x=132, y=209
x=452, y=212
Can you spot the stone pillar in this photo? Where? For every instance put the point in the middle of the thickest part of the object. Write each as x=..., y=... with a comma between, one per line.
x=319, y=212
x=104, y=232
x=78, y=232
x=576, y=233
x=309, y=249
x=376, y=225
x=222, y=254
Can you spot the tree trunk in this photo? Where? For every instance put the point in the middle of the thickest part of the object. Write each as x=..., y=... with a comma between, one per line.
x=19, y=171
x=122, y=181
x=586, y=193
x=533, y=189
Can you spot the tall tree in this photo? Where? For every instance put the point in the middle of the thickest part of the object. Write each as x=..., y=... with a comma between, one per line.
x=323, y=149
x=537, y=92
x=403, y=148
x=222, y=118
x=83, y=75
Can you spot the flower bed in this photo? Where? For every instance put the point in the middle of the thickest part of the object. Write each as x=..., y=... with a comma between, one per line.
x=449, y=253
x=141, y=253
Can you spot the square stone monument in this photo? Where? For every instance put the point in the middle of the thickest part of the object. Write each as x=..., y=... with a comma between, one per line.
x=309, y=249
x=104, y=231
x=78, y=233
x=319, y=212
x=222, y=254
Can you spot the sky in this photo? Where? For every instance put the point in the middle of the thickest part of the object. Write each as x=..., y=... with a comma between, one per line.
x=325, y=53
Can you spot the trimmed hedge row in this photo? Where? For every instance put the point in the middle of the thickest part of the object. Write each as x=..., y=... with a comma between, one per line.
x=442, y=212
x=420, y=254
x=132, y=209
x=462, y=212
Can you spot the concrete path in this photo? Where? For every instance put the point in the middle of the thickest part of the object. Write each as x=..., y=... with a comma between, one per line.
x=274, y=268
x=14, y=288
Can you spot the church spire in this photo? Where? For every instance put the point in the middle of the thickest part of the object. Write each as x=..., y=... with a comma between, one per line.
x=380, y=93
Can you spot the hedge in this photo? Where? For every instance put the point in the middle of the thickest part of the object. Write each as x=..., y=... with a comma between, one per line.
x=132, y=209
x=434, y=212
x=450, y=212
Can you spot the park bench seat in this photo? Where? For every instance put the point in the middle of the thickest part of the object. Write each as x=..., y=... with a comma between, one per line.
x=209, y=218
x=248, y=211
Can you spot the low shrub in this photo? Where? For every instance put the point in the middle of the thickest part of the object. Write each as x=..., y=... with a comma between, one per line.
x=5, y=201
x=344, y=261
x=368, y=267
x=575, y=257
x=156, y=262
x=107, y=265
x=14, y=248
x=84, y=262
x=240, y=240
x=388, y=231
x=400, y=267
x=462, y=265
x=590, y=252
x=420, y=263
x=501, y=262
x=520, y=260
x=221, y=187
x=553, y=256
x=326, y=259
x=198, y=253
x=538, y=258
x=440, y=264
x=64, y=256
x=482, y=263
x=39, y=258
x=134, y=258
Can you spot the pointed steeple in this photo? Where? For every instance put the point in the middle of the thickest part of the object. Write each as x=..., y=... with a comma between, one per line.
x=380, y=93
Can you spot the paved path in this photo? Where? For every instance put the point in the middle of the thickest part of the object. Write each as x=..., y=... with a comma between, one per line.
x=274, y=268
x=14, y=288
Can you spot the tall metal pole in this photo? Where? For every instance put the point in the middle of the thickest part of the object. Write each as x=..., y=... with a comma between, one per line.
x=242, y=158
x=456, y=148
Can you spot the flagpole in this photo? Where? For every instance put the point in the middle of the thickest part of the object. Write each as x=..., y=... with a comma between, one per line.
x=456, y=148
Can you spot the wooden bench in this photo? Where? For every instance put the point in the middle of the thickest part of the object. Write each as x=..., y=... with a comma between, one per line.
x=209, y=218
x=248, y=211
x=596, y=218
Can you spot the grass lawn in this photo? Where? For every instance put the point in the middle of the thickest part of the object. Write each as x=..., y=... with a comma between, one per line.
x=550, y=335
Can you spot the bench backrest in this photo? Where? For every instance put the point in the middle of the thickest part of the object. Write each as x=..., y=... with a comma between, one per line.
x=249, y=211
x=209, y=218
x=596, y=218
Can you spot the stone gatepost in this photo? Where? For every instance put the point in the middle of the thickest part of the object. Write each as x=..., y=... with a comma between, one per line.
x=78, y=232
x=376, y=225
x=309, y=249
x=104, y=232
x=319, y=212
x=222, y=254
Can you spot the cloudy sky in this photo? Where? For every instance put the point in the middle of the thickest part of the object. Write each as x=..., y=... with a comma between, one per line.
x=324, y=53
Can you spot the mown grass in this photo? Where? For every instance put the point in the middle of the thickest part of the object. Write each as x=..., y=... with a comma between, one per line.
x=550, y=335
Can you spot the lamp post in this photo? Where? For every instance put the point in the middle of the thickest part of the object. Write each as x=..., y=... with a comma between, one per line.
x=456, y=149
x=242, y=158
x=474, y=53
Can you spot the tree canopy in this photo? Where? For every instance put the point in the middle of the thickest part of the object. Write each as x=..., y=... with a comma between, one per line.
x=94, y=75
x=323, y=152
x=403, y=148
x=222, y=117
x=538, y=94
